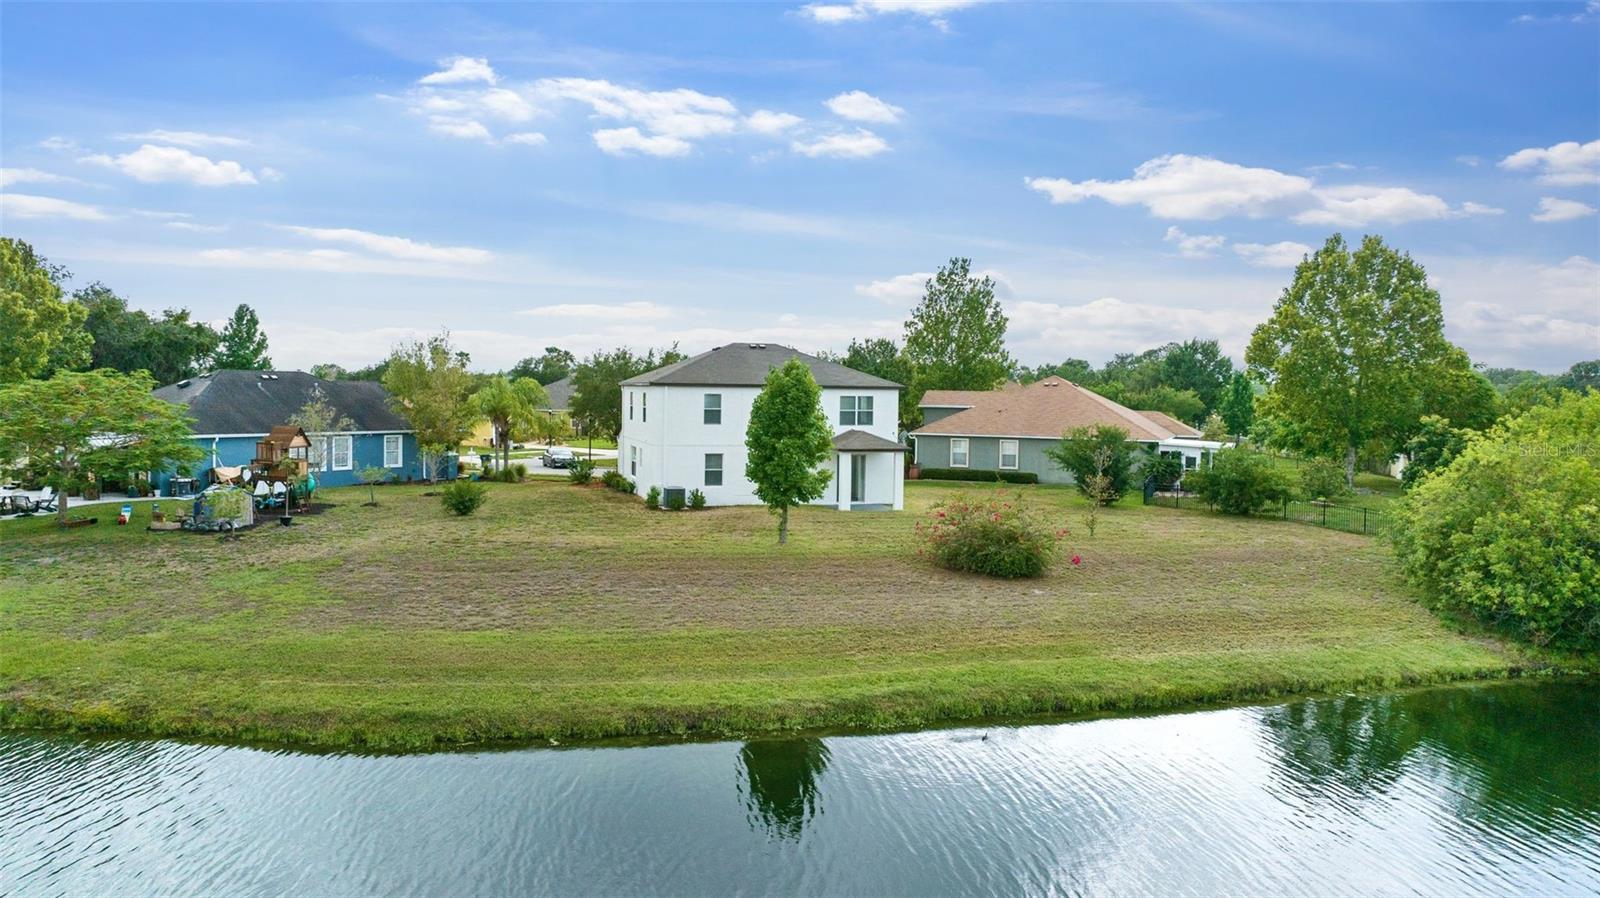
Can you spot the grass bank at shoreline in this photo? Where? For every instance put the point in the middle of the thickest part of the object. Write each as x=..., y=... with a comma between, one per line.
x=569, y=613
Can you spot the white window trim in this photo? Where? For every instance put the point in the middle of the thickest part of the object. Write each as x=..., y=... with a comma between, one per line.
x=704, y=409
x=966, y=452
x=1016, y=455
x=399, y=450
x=349, y=454
x=857, y=401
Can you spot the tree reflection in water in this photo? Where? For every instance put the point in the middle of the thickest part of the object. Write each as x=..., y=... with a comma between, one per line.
x=778, y=780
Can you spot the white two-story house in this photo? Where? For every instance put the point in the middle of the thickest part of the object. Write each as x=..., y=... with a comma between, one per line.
x=683, y=427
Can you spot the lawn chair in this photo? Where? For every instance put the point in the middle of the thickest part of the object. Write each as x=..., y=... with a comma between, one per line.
x=46, y=500
x=280, y=494
x=262, y=494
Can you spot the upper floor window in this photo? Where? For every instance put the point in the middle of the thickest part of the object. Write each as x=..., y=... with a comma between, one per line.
x=630, y=405
x=855, y=411
x=713, y=408
x=644, y=406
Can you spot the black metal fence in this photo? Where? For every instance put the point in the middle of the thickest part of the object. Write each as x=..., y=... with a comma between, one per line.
x=1349, y=518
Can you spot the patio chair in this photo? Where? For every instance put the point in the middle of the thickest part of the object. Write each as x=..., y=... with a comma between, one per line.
x=46, y=500
x=262, y=494
x=280, y=494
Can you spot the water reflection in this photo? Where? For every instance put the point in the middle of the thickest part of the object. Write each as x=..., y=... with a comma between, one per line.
x=778, y=781
x=1484, y=790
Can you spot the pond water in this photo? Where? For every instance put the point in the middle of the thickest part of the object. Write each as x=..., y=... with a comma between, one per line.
x=1468, y=790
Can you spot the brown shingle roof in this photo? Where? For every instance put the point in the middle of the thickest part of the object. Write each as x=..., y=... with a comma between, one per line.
x=1046, y=410
x=961, y=398
x=861, y=441
x=1177, y=427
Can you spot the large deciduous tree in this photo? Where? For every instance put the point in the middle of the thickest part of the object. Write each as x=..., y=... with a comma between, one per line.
x=1239, y=404
x=597, y=386
x=92, y=422
x=555, y=364
x=1200, y=366
x=955, y=338
x=39, y=332
x=242, y=344
x=512, y=408
x=171, y=347
x=430, y=385
x=1351, y=345
x=788, y=441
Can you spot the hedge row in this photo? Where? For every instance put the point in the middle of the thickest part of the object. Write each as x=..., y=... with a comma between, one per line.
x=978, y=475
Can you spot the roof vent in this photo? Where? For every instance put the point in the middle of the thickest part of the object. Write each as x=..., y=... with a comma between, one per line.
x=758, y=346
x=1050, y=383
x=266, y=377
x=183, y=383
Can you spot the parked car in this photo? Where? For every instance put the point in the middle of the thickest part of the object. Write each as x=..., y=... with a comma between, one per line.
x=559, y=457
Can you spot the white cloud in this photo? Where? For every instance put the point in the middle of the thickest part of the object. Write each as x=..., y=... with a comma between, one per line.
x=191, y=226
x=1567, y=164
x=731, y=217
x=394, y=247
x=860, y=106
x=9, y=176
x=622, y=141
x=527, y=138
x=934, y=11
x=1470, y=161
x=765, y=121
x=1283, y=254
x=905, y=290
x=22, y=205
x=857, y=145
x=154, y=165
x=1510, y=311
x=466, y=129
x=627, y=311
x=1184, y=187
x=59, y=143
x=461, y=70
x=1195, y=246
x=186, y=138
x=1552, y=209
x=1091, y=329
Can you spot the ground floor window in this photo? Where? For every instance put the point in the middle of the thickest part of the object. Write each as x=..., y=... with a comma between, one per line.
x=633, y=461
x=1008, y=454
x=342, y=451
x=391, y=451
x=958, y=452
x=713, y=469
x=1189, y=462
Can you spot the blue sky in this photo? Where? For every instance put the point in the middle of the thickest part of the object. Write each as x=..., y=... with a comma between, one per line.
x=592, y=176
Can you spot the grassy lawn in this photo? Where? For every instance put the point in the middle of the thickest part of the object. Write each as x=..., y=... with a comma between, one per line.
x=565, y=612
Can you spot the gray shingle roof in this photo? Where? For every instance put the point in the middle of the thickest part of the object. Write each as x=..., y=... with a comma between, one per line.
x=560, y=393
x=247, y=402
x=861, y=441
x=747, y=364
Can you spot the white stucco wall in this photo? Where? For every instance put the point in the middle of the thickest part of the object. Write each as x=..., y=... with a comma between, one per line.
x=668, y=431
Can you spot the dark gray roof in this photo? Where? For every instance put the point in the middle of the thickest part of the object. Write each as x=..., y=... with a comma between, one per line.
x=747, y=364
x=253, y=402
x=560, y=393
x=861, y=441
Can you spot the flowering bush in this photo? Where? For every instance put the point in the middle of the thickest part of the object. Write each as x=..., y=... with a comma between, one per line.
x=998, y=536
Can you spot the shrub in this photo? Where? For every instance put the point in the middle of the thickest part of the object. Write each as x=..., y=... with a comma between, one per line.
x=520, y=471
x=1322, y=479
x=652, y=499
x=675, y=501
x=1509, y=532
x=1163, y=469
x=697, y=500
x=1100, y=459
x=1434, y=446
x=999, y=536
x=581, y=472
x=610, y=478
x=463, y=497
x=1242, y=481
x=978, y=475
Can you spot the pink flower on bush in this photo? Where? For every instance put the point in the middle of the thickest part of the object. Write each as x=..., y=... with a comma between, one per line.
x=1077, y=560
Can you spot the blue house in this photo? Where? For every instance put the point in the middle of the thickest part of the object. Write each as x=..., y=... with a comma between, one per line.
x=232, y=410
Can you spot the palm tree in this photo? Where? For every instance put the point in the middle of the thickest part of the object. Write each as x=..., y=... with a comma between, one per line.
x=511, y=407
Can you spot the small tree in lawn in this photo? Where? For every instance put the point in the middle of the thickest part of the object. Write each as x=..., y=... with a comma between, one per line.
x=372, y=475
x=1098, y=486
x=430, y=386
x=788, y=441
x=1100, y=460
x=92, y=421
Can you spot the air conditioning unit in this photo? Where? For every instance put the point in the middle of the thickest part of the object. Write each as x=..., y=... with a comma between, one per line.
x=668, y=494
